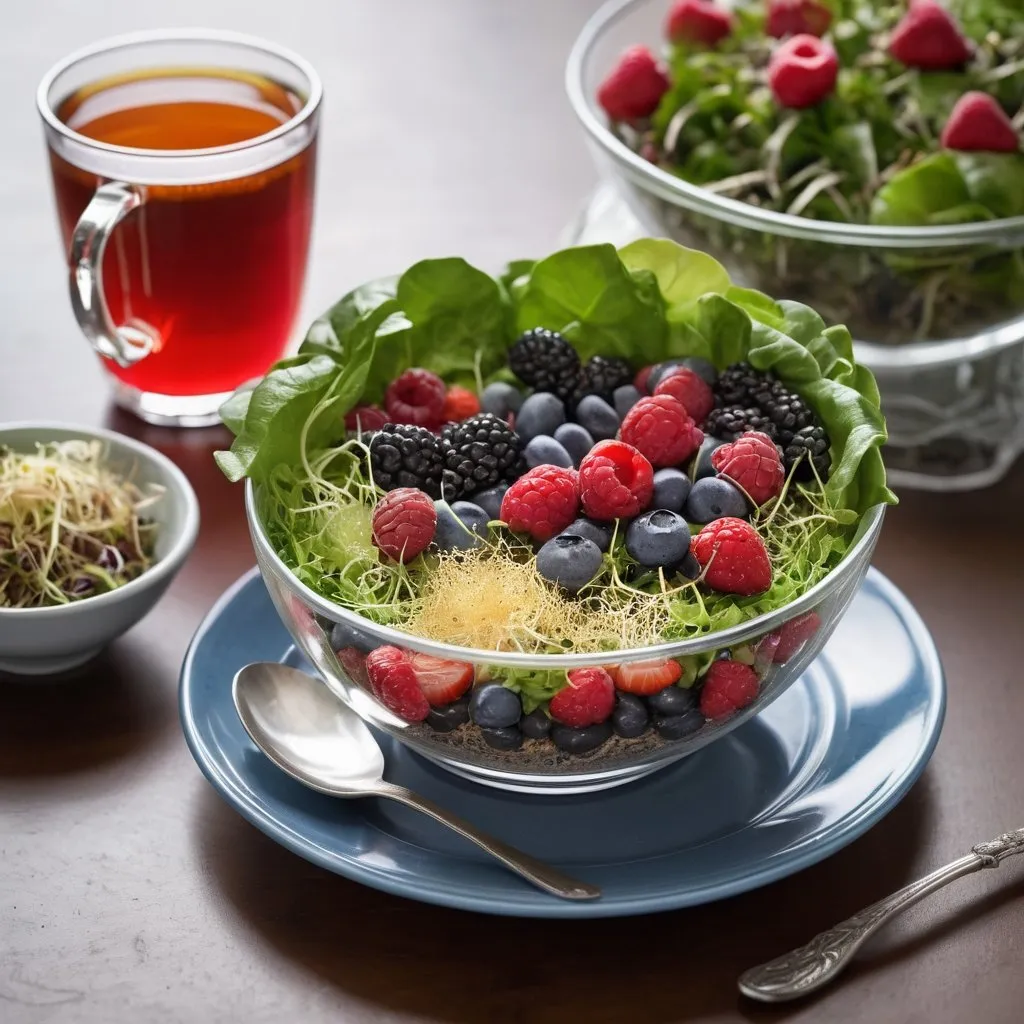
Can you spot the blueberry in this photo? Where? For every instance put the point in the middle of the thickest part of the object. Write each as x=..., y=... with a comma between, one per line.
x=705, y=370
x=506, y=738
x=598, y=417
x=491, y=706
x=576, y=440
x=630, y=718
x=713, y=497
x=581, y=741
x=490, y=500
x=599, y=533
x=625, y=398
x=450, y=716
x=689, y=567
x=677, y=727
x=673, y=700
x=541, y=413
x=546, y=451
x=536, y=725
x=658, y=538
x=501, y=399
x=460, y=526
x=671, y=487
x=702, y=463
x=570, y=561
x=343, y=635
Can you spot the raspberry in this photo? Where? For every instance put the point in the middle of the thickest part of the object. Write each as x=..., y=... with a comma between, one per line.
x=661, y=430
x=733, y=557
x=728, y=687
x=459, y=405
x=365, y=418
x=587, y=698
x=794, y=634
x=697, y=21
x=753, y=463
x=635, y=86
x=416, y=397
x=978, y=123
x=542, y=502
x=929, y=38
x=641, y=378
x=803, y=71
x=403, y=523
x=353, y=661
x=694, y=394
x=615, y=480
x=796, y=17
x=393, y=681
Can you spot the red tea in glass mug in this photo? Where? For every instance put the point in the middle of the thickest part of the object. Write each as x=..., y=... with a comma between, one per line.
x=183, y=167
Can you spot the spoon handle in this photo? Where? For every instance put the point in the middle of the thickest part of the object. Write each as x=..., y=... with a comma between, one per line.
x=813, y=966
x=539, y=874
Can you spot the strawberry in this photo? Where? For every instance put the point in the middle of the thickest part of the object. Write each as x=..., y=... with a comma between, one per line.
x=697, y=21
x=645, y=677
x=728, y=687
x=442, y=681
x=353, y=661
x=587, y=698
x=733, y=556
x=978, y=123
x=635, y=86
x=929, y=38
x=803, y=71
x=752, y=461
x=797, y=17
x=459, y=405
x=393, y=682
x=794, y=634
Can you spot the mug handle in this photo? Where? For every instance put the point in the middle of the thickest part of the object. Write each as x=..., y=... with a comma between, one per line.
x=110, y=203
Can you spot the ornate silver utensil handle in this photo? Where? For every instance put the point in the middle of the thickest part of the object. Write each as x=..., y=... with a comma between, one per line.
x=813, y=966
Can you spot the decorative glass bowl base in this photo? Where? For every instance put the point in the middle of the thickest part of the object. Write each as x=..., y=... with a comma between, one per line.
x=955, y=408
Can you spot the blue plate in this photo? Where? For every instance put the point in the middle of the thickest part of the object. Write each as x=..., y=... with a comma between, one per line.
x=812, y=772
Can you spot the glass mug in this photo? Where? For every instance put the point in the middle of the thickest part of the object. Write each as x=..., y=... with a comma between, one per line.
x=183, y=167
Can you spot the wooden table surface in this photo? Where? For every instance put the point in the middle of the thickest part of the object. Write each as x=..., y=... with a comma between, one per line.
x=130, y=892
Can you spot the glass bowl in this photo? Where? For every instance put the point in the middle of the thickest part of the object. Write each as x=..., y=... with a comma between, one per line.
x=538, y=767
x=948, y=357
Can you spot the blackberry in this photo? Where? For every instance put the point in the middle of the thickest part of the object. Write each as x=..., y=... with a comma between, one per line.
x=601, y=377
x=789, y=412
x=736, y=384
x=479, y=453
x=728, y=422
x=402, y=455
x=545, y=361
x=809, y=446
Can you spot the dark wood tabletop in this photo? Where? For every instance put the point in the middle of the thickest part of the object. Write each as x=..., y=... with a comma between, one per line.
x=130, y=892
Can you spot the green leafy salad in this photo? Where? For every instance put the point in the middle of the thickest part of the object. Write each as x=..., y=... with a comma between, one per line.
x=335, y=475
x=892, y=114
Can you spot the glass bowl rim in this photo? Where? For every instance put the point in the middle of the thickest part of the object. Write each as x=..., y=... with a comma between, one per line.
x=869, y=528
x=681, y=193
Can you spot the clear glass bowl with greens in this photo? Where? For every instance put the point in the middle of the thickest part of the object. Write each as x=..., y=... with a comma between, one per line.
x=312, y=492
x=936, y=310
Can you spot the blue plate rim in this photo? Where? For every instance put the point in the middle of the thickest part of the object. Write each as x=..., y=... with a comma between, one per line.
x=527, y=903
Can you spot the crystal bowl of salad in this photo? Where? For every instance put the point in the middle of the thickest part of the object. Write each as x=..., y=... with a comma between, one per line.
x=863, y=158
x=516, y=522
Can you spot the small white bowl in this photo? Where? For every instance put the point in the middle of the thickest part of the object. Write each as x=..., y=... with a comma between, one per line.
x=40, y=641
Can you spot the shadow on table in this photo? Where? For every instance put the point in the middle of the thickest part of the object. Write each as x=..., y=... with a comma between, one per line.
x=460, y=967
x=115, y=707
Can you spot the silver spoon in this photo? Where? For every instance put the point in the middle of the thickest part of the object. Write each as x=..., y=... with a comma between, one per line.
x=813, y=966
x=296, y=721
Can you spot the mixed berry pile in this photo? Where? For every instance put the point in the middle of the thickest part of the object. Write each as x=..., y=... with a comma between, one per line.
x=670, y=462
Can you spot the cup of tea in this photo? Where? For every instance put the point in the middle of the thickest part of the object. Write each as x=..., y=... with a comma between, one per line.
x=183, y=167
